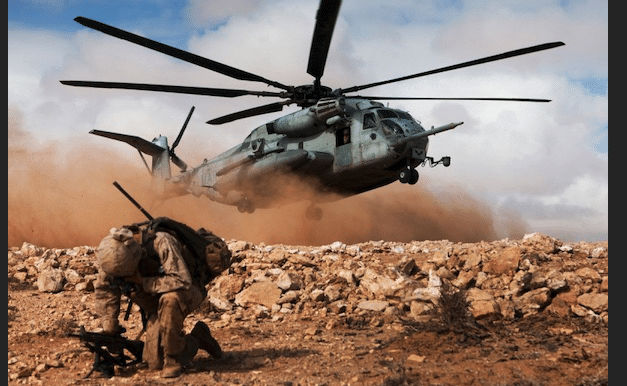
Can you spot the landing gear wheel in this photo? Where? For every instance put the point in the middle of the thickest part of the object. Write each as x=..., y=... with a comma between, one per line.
x=313, y=213
x=413, y=177
x=404, y=175
x=408, y=176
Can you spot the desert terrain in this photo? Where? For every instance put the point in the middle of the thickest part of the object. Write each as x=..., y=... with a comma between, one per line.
x=530, y=311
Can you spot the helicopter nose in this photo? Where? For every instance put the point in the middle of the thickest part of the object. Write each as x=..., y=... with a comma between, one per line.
x=401, y=144
x=399, y=148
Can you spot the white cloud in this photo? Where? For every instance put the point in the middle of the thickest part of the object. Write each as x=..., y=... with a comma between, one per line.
x=579, y=211
x=202, y=13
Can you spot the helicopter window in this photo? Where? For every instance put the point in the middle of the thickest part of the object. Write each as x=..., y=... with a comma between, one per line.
x=363, y=105
x=342, y=137
x=369, y=121
x=404, y=115
x=384, y=113
x=366, y=104
x=391, y=127
x=246, y=143
x=270, y=128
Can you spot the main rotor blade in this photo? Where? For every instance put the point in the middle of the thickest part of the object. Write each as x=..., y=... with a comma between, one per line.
x=220, y=92
x=323, y=31
x=452, y=99
x=177, y=53
x=178, y=138
x=259, y=110
x=505, y=55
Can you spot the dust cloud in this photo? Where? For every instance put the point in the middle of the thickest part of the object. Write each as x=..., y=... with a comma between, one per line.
x=61, y=196
x=393, y=213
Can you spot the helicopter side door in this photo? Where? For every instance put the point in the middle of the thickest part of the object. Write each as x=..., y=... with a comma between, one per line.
x=372, y=144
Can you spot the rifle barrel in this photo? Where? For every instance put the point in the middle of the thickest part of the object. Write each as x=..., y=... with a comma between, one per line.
x=121, y=189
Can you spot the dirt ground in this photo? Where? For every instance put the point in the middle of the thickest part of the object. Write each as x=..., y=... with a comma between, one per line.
x=317, y=348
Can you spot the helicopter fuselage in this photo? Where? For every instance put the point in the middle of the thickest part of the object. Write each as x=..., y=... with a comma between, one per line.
x=343, y=145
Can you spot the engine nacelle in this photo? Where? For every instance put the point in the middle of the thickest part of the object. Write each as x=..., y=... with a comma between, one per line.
x=309, y=121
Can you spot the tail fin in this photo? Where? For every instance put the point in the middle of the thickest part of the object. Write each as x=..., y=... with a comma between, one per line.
x=157, y=149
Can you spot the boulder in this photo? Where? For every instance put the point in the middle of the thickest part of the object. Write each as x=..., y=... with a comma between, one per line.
x=50, y=280
x=287, y=281
x=373, y=305
x=541, y=243
x=597, y=302
x=587, y=273
x=29, y=250
x=504, y=263
x=379, y=285
x=482, y=303
x=533, y=301
x=265, y=293
x=472, y=261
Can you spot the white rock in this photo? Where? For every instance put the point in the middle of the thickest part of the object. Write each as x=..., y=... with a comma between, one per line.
x=373, y=305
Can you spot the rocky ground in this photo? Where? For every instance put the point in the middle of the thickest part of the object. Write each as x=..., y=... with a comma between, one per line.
x=509, y=312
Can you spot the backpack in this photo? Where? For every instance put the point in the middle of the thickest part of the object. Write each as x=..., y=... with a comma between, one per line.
x=217, y=252
x=200, y=263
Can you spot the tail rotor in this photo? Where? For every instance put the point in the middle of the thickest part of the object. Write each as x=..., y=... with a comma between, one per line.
x=175, y=159
x=158, y=149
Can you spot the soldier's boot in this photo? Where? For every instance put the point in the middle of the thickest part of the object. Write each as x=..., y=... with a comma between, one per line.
x=174, y=365
x=172, y=368
x=205, y=341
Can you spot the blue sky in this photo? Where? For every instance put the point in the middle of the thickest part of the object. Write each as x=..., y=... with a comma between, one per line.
x=547, y=162
x=58, y=15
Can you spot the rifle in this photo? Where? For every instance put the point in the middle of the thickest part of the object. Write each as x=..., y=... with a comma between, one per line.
x=109, y=351
x=126, y=289
x=131, y=199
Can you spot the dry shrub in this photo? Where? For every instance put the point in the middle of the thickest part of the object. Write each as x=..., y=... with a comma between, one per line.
x=453, y=308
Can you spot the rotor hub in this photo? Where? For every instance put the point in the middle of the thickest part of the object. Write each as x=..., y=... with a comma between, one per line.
x=309, y=94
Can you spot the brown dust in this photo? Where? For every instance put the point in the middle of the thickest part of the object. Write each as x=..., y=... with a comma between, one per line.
x=61, y=196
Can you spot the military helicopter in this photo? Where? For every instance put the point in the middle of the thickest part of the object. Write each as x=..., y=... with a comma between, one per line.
x=346, y=144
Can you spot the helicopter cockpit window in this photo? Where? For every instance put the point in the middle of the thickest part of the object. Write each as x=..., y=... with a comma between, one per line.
x=369, y=121
x=385, y=113
x=404, y=115
x=367, y=104
x=390, y=127
x=246, y=143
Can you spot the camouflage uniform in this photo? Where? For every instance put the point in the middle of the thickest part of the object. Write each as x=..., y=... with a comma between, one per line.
x=166, y=300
